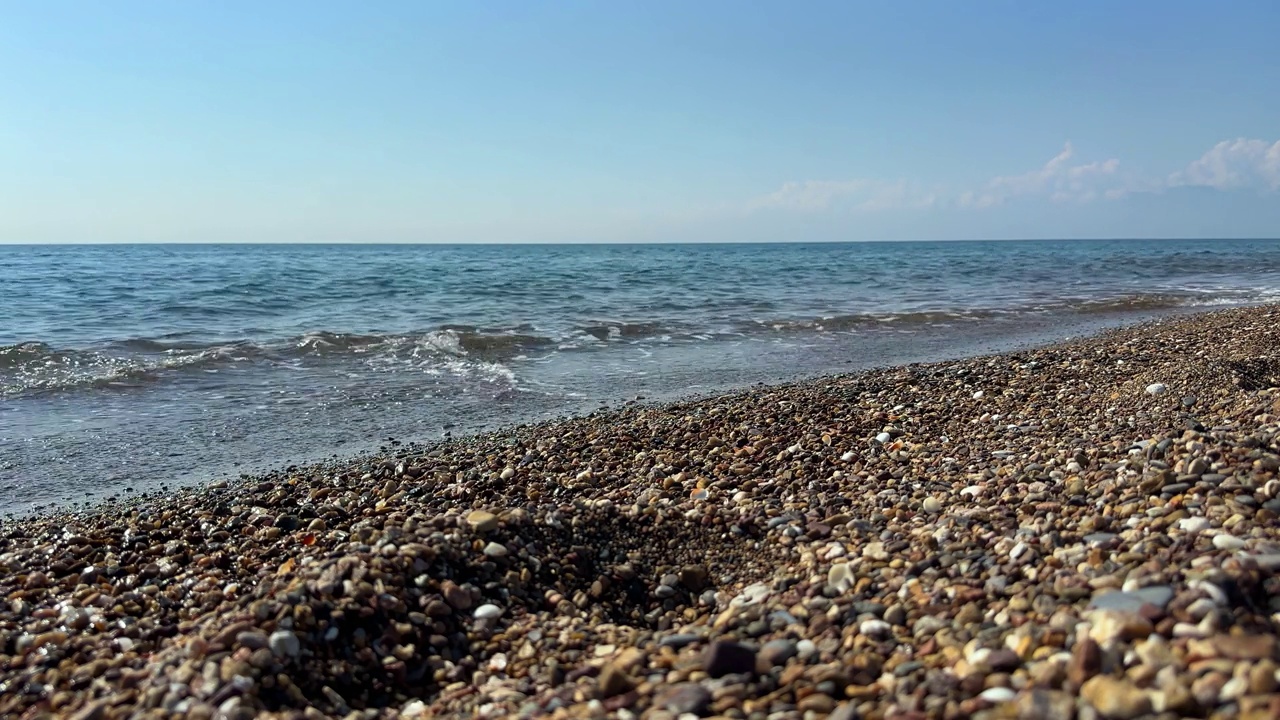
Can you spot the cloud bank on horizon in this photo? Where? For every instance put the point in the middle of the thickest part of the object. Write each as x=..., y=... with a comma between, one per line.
x=1241, y=164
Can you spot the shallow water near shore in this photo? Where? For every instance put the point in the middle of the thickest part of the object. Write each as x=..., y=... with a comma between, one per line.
x=125, y=367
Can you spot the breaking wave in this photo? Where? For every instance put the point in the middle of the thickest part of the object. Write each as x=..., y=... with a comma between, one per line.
x=487, y=354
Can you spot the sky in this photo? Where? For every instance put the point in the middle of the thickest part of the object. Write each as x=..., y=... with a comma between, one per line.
x=637, y=120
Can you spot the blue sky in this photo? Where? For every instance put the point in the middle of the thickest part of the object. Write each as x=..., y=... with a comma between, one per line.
x=650, y=120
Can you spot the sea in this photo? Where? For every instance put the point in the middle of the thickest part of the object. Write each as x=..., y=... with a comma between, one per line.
x=134, y=368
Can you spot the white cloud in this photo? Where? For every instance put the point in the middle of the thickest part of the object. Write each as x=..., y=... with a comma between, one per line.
x=1058, y=180
x=810, y=194
x=860, y=195
x=1234, y=164
x=1231, y=164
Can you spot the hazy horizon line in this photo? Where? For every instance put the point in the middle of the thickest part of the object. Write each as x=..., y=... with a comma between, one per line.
x=509, y=243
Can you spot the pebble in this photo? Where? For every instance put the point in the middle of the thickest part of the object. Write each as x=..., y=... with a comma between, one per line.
x=998, y=695
x=1132, y=601
x=683, y=698
x=1115, y=699
x=284, y=643
x=482, y=521
x=728, y=658
x=1193, y=524
x=487, y=611
x=777, y=652
x=840, y=577
x=1227, y=542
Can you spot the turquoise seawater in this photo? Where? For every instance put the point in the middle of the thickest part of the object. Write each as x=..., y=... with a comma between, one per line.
x=123, y=367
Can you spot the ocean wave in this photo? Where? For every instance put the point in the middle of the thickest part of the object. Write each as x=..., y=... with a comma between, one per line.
x=38, y=367
x=1121, y=304
x=487, y=353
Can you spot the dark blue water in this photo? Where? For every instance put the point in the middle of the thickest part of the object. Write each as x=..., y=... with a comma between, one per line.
x=126, y=366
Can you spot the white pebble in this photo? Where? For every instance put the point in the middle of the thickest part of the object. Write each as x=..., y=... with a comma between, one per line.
x=495, y=550
x=932, y=505
x=508, y=473
x=1227, y=542
x=1156, y=389
x=1018, y=550
x=849, y=456
x=998, y=695
x=487, y=612
x=284, y=643
x=1193, y=524
x=840, y=577
x=752, y=595
x=883, y=438
x=977, y=395
x=875, y=628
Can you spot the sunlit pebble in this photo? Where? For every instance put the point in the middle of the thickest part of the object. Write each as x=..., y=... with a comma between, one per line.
x=875, y=628
x=977, y=395
x=932, y=505
x=487, y=611
x=997, y=695
x=883, y=438
x=1156, y=389
x=849, y=456
x=507, y=474
x=1193, y=524
x=1227, y=542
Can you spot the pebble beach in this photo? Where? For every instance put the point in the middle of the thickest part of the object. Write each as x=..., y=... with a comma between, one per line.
x=1084, y=530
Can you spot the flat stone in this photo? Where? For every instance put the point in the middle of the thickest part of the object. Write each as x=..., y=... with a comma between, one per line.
x=1041, y=704
x=840, y=577
x=1193, y=524
x=1099, y=538
x=693, y=577
x=776, y=652
x=679, y=640
x=1227, y=542
x=683, y=698
x=454, y=595
x=1245, y=647
x=728, y=658
x=1133, y=600
x=1115, y=699
x=482, y=521
x=614, y=680
x=1086, y=660
x=1267, y=561
x=1112, y=625
x=846, y=711
x=284, y=643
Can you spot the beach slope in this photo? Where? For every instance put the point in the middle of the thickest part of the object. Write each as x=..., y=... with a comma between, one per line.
x=1085, y=529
